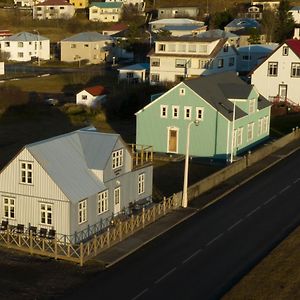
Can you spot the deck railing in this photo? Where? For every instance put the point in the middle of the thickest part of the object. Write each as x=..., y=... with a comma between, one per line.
x=141, y=155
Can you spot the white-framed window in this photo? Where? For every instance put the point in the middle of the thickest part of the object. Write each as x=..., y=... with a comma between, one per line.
x=6, y=44
x=202, y=48
x=117, y=195
x=259, y=129
x=199, y=113
x=117, y=159
x=102, y=202
x=182, y=92
x=239, y=139
x=272, y=68
x=164, y=111
x=225, y=48
x=84, y=97
x=154, y=77
x=141, y=183
x=187, y=112
x=180, y=63
x=220, y=63
x=73, y=45
x=9, y=207
x=251, y=106
x=155, y=62
x=162, y=47
x=129, y=75
x=175, y=112
x=250, y=129
x=192, y=48
x=285, y=50
x=20, y=44
x=171, y=47
x=295, y=70
x=181, y=48
x=204, y=64
x=26, y=172
x=265, y=126
x=20, y=54
x=46, y=214
x=82, y=211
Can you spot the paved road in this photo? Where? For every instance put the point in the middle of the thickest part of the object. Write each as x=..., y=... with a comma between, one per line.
x=202, y=257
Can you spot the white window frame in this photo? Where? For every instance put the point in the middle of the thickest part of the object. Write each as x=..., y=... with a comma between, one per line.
x=272, y=68
x=117, y=196
x=187, y=112
x=9, y=208
x=46, y=213
x=285, y=50
x=164, y=111
x=221, y=63
x=265, y=126
x=295, y=70
x=250, y=132
x=141, y=183
x=239, y=138
x=82, y=211
x=26, y=172
x=260, y=127
x=102, y=202
x=117, y=159
x=175, y=112
x=251, y=106
x=198, y=110
x=182, y=91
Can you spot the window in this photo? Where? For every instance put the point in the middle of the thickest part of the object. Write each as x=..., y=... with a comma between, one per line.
x=155, y=62
x=73, y=45
x=181, y=47
x=20, y=54
x=175, y=112
x=285, y=50
x=161, y=47
x=182, y=92
x=9, y=207
x=225, y=48
x=86, y=45
x=102, y=202
x=231, y=61
x=199, y=113
x=180, y=63
x=239, y=140
x=204, y=64
x=163, y=111
x=117, y=159
x=187, y=113
x=141, y=184
x=251, y=106
x=61, y=7
x=220, y=63
x=82, y=211
x=265, y=124
x=192, y=48
x=117, y=196
x=6, y=44
x=259, y=130
x=171, y=47
x=272, y=69
x=46, y=214
x=26, y=172
x=250, y=132
x=246, y=57
x=20, y=44
x=129, y=75
x=154, y=77
x=202, y=48
x=295, y=70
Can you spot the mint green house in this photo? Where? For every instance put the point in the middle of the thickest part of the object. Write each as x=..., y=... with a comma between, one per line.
x=231, y=117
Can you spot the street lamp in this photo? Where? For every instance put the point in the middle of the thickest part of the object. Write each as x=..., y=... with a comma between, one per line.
x=38, y=42
x=186, y=165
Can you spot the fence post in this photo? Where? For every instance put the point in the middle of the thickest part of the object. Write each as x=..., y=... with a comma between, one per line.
x=95, y=244
x=131, y=223
x=8, y=232
x=120, y=230
x=81, y=254
x=143, y=217
x=108, y=237
x=164, y=205
x=55, y=248
x=30, y=242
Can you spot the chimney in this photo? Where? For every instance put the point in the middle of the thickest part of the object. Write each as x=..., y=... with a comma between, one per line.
x=296, y=33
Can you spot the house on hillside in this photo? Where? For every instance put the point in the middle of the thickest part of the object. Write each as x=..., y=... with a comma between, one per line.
x=177, y=58
x=2, y=70
x=105, y=11
x=231, y=115
x=270, y=5
x=295, y=12
x=114, y=28
x=91, y=96
x=277, y=77
x=157, y=25
x=178, y=12
x=134, y=73
x=241, y=23
x=53, y=9
x=25, y=46
x=80, y=4
x=91, y=46
x=73, y=183
x=251, y=11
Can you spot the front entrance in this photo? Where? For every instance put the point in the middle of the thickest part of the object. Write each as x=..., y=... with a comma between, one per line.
x=117, y=200
x=173, y=140
x=282, y=92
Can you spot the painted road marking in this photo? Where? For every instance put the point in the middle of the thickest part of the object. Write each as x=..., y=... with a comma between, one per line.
x=191, y=256
x=235, y=224
x=269, y=200
x=285, y=189
x=253, y=211
x=214, y=239
x=140, y=294
x=164, y=276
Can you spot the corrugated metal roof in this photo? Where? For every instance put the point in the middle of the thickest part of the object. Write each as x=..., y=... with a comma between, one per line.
x=68, y=159
x=177, y=21
x=25, y=37
x=90, y=36
x=137, y=67
x=107, y=4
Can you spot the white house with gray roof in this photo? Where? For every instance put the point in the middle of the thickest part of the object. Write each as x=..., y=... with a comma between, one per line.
x=73, y=183
x=105, y=11
x=25, y=46
x=91, y=46
x=160, y=24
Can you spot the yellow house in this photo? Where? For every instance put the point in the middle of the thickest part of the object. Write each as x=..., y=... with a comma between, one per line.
x=80, y=3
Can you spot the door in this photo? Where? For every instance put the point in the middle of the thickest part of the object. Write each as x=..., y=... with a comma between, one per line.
x=117, y=200
x=282, y=92
x=173, y=136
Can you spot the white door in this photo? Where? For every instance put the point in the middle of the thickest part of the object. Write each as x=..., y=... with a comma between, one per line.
x=282, y=92
x=117, y=200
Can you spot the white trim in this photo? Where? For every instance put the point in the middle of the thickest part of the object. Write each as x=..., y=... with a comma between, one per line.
x=161, y=109
x=82, y=208
x=185, y=110
x=175, y=108
x=168, y=138
x=197, y=113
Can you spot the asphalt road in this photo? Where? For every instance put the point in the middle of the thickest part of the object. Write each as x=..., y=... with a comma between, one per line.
x=204, y=256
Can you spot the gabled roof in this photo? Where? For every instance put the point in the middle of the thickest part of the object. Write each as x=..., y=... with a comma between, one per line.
x=25, y=37
x=96, y=90
x=116, y=27
x=68, y=159
x=107, y=4
x=294, y=45
x=295, y=8
x=91, y=36
x=216, y=34
x=243, y=23
x=136, y=67
x=182, y=27
x=54, y=2
x=177, y=21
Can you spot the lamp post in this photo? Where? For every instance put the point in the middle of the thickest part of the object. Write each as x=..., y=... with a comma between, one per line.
x=186, y=165
x=38, y=42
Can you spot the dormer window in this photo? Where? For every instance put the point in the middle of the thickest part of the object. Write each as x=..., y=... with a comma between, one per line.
x=285, y=50
x=117, y=159
x=26, y=172
x=225, y=48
